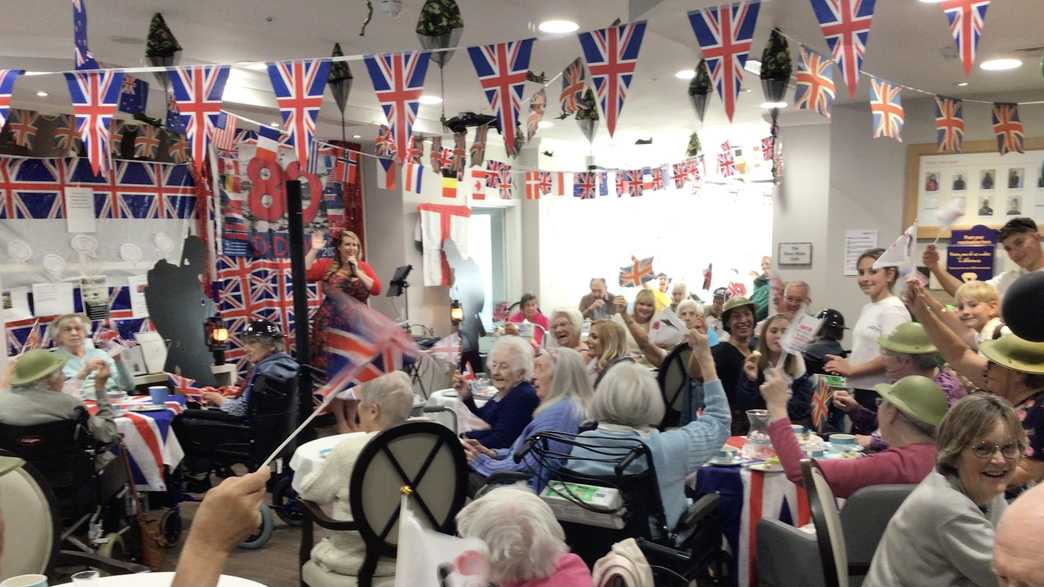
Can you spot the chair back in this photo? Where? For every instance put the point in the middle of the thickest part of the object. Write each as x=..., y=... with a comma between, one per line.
x=827, y=520
x=31, y=526
x=272, y=413
x=866, y=515
x=673, y=378
x=427, y=458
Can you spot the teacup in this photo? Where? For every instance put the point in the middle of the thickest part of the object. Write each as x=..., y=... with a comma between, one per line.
x=797, y=428
x=26, y=581
x=158, y=394
x=842, y=439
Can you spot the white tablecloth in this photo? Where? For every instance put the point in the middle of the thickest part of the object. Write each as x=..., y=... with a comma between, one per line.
x=466, y=420
x=309, y=456
x=161, y=580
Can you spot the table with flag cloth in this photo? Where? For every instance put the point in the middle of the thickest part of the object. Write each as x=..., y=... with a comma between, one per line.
x=150, y=441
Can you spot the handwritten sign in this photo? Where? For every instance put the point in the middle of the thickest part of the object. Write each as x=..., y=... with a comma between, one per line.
x=970, y=253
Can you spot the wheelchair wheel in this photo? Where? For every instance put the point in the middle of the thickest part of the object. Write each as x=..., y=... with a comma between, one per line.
x=286, y=503
x=113, y=547
x=264, y=532
x=171, y=526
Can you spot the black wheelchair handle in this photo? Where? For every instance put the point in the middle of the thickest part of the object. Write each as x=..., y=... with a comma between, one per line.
x=524, y=449
x=631, y=456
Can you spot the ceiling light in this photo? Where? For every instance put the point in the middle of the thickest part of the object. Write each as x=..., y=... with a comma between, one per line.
x=1002, y=64
x=257, y=66
x=41, y=94
x=356, y=136
x=753, y=66
x=747, y=90
x=771, y=105
x=428, y=99
x=960, y=84
x=685, y=74
x=545, y=124
x=274, y=124
x=557, y=27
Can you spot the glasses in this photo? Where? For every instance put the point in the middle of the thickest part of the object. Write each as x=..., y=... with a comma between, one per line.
x=986, y=450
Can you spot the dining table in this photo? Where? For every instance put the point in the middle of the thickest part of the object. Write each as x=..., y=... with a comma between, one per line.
x=145, y=428
x=157, y=580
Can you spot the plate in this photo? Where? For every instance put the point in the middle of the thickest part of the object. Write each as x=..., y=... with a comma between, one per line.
x=720, y=462
x=766, y=468
x=830, y=447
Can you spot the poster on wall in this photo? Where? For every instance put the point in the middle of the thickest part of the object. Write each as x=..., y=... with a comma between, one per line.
x=969, y=255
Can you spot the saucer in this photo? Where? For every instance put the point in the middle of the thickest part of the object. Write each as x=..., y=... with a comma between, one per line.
x=766, y=468
x=723, y=462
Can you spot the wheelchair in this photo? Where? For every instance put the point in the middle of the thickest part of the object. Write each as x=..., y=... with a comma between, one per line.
x=94, y=508
x=691, y=550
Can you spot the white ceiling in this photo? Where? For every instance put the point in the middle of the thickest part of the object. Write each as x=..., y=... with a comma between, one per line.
x=909, y=43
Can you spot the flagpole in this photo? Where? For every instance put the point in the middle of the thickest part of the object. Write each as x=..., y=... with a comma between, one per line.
x=295, y=227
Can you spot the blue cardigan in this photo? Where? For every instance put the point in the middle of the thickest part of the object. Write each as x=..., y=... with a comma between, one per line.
x=676, y=453
x=506, y=418
x=564, y=415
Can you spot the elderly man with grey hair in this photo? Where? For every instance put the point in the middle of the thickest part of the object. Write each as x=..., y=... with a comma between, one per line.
x=526, y=544
x=796, y=294
x=384, y=402
x=510, y=366
x=597, y=304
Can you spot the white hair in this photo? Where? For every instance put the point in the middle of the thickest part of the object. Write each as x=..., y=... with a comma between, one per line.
x=524, y=539
x=628, y=395
x=570, y=380
x=690, y=303
x=576, y=319
x=680, y=285
x=517, y=352
x=392, y=393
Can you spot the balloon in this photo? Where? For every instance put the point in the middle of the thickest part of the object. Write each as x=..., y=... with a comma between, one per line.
x=1022, y=301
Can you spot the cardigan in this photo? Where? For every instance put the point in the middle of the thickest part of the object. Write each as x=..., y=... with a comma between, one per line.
x=506, y=417
x=73, y=366
x=320, y=267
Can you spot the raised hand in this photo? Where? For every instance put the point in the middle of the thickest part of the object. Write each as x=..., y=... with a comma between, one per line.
x=318, y=240
x=930, y=258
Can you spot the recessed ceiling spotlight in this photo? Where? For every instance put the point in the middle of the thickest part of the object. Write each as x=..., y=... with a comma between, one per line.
x=1002, y=64
x=960, y=84
x=545, y=124
x=274, y=124
x=771, y=105
x=753, y=66
x=356, y=136
x=685, y=74
x=429, y=99
x=42, y=94
x=746, y=90
x=558, y=27
x=257, y=66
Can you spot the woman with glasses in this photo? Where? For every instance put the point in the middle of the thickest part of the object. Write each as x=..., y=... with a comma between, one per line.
x=510, y=410
x=943, y=532
x=565, y=392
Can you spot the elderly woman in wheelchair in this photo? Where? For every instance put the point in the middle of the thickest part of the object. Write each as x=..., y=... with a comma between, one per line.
x=384, y=402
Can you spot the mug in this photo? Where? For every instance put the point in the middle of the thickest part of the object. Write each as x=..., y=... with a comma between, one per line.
x=26, y=581
x=842, y=439
x=158, y=394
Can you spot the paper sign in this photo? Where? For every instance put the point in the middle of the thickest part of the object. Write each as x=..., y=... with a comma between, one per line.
x=16, y=304
x=857, y=242
x=136, y=286
x=801, y=332
x=50, y=299
x=79, y=209
x=94, y=291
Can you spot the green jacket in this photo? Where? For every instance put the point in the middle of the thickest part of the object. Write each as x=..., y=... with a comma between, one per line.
x=760, y=297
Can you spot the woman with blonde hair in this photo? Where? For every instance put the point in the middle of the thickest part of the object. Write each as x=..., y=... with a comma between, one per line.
x=638, y=322
x=607, y=346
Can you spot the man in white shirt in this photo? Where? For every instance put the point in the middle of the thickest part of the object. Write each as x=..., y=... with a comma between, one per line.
x=1021, y=241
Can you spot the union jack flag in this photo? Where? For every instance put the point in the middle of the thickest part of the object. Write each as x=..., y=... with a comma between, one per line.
x=225, y=135
x=94, y=98
x=655, y=181
x=31, y=189
x=680, y=174
x=633, y=182
x=142, y=190
x=820, y=404
x=178, y=149
x=584, y=185
x=768, y=148
x=503, y=180
x=886, y=103
x=501, y=70
x=65, y=135
x=116, y=132
x=1008, y=128
x=445, y=158
x=398, y=79
x=724, y=34
x=7, y=82
x=966, y=18
x=84, y=59
x=846, y=27
x=949, y=124
x=183, y=385
x=726, y=161
x=364, y=342
x=23, y=127
x=815, y=83
x=697, y=168
x=737, y=289
x=637, y=273
x=572, y=86
x=611, y=55
x=298, y=86
x=147, y=142
x=415, y=151
x=197, y=92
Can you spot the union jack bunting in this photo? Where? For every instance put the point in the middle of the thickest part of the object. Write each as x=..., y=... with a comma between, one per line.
x=949, y=124
x=503, y=183
x=197, y=92
x=147, y=142
x=846, y=27
x=967, y=19
x=142, y=190
x=814, y=82
x=178, y=149
x=633, y=182
x=8, y=77
x=66, y=135
x=225, y=134
x=116, y=132
x=23, y=126
x=31, y=189
x=501, y=70
x=611, y=55
x=680, y=174
x=768, y=148
x=398, y=79
x=493, y=177
x=415, y=151
x=726, y=161
x=697, y=168
x=724, y=34
x=886, y=104
x=94, y=98
x=655, y=181
x=572, y=86
x=183, y=385
x=444, y=159
x=84, y=59
x=298, y=86
x=544, y=182
x=1008, y=128
x=637, y=273
x=584, y=185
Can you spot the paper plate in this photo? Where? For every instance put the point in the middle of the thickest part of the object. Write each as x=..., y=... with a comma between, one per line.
x=766, y=468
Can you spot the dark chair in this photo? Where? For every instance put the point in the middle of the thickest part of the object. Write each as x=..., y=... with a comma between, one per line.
x=833, y=556
x=427, y=458
x=676, y=388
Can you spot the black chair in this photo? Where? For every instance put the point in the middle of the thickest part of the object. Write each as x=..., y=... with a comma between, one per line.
x=830, y=536
x=427, y=458
x=676, y=388
x=689, y=550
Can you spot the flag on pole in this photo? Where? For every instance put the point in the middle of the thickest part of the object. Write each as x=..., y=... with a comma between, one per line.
x=900, y=252
x=637, y=273
x=398, y=79
x=298, y=86
x=967, y=19
x=572, y=86
x=501, y=70
x=8, y=77
x=94, y=97
x=611, y=55
x=708, y=275
x=846, y=27
x=949, y=124
x=724, y=34
x=820, y=403
x=886, y=104
x=198, y=92
x=814, y=81
x=1008, y=128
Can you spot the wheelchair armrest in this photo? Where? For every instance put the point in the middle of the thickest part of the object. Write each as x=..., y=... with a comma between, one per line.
x=507, y=478
x=700, y=510
x=109, y=565
x=324, y=521
x=660, y=555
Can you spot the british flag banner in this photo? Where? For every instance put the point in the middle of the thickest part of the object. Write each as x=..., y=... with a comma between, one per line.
x=501, y=69
x=611, y=55
x=198, y=92
x=630, y=182
x=814, y=82
x=967, y=19
x=846, y=27
x=67, y=137
x=298, y=86
x=94, y=98
x=726, y=161
x=31, y=189
x=23, y=126
x=572, y=86
x=949, y=124
x=415, y=152
x=398, y=80
x=1008, y=128
x=84, y=59
x=8, y=77
x=142, y=191
x=724, y=34
x=886, y=104
x=498, y=177
x=680, y=174
x=585, y=185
